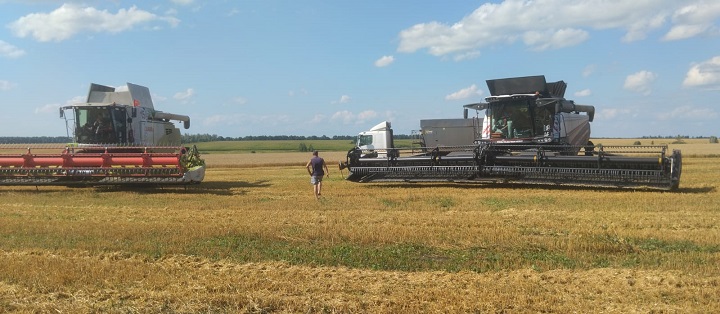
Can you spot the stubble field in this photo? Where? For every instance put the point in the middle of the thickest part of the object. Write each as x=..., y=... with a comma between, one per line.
x=252, y=238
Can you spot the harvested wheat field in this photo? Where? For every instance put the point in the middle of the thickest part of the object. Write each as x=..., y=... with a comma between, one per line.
x=252, y=238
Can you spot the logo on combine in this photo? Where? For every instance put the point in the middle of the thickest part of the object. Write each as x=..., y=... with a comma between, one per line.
x=136, y=103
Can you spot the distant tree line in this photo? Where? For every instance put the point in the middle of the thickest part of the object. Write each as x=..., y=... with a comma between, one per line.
x=189, y=138
x=676, y=136
x=34, y=139
x=198, y=138
x=679, y=138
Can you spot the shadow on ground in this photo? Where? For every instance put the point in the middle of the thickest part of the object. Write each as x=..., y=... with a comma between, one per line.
x=412, y=185
x=206, y=187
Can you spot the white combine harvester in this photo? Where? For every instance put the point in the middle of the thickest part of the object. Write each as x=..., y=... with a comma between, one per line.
x=119, y=138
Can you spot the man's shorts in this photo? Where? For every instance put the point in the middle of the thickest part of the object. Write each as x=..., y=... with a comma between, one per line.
x=314, y=180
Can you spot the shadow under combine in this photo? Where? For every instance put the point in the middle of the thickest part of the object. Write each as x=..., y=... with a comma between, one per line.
x=207, y=187
x=481, y=185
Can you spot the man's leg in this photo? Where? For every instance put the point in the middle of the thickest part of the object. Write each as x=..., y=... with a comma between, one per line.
x=316, y=189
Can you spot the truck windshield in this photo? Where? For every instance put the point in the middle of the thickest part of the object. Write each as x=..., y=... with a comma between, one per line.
x=364, y=140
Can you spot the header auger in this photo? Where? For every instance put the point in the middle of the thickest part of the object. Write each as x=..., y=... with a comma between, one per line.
x=529, y=134
x=119, y=139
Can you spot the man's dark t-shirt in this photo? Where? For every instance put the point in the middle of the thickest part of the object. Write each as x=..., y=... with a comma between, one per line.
x=317, y=166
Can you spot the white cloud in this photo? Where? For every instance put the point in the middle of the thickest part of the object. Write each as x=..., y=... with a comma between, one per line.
x=640, y=82
x=183, y=2
x=6, y=85
x=583, y=93
x=384, y=61
x=612, y=113
x=233, y=12
x=47, y=108
x=554, y=39
x=293, y=93
x=184, y=95
x=343, y=100
x=685, y=31
x=158, y=99
x=245, y=120
x=689, y=113
x=318, y=118
x=10, y=51
x=367, y=114
x=347, y=117
x=704, y=74
x=693, y=19
x=464, y=93
x=54, y=108
x=553, y=24
x=637, y=30
x=71, y=19
x=239, y=100
x=467, y=55
x=588, y=70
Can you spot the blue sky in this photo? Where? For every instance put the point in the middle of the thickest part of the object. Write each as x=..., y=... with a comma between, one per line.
x=268, y=67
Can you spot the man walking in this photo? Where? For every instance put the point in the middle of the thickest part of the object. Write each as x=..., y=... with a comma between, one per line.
x=315, y=168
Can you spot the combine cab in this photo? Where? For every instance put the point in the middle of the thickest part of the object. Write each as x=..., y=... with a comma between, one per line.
x=531, y=135
x=119, y=138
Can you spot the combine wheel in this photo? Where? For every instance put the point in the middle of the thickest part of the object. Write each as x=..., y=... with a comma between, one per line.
x=353, y=157
x=589, y=148
x=435, y=156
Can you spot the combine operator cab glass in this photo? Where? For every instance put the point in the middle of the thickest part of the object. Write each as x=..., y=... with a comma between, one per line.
x=100, y=125
x=518, y=119
x=364, y=140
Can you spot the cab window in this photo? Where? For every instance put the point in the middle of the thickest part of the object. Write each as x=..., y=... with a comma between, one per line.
x=365, y=140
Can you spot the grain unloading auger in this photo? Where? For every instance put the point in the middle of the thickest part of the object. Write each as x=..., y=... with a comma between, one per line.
x=529, y=134
x=119, y=139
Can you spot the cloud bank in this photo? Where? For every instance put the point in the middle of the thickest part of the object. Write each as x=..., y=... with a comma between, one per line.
x=72, y=19
x=554, y=24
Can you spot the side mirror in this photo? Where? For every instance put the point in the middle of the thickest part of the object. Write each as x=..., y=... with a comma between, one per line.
x=62, y=113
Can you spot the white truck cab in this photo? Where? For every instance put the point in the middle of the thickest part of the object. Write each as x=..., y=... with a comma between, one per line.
x=376, y=141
